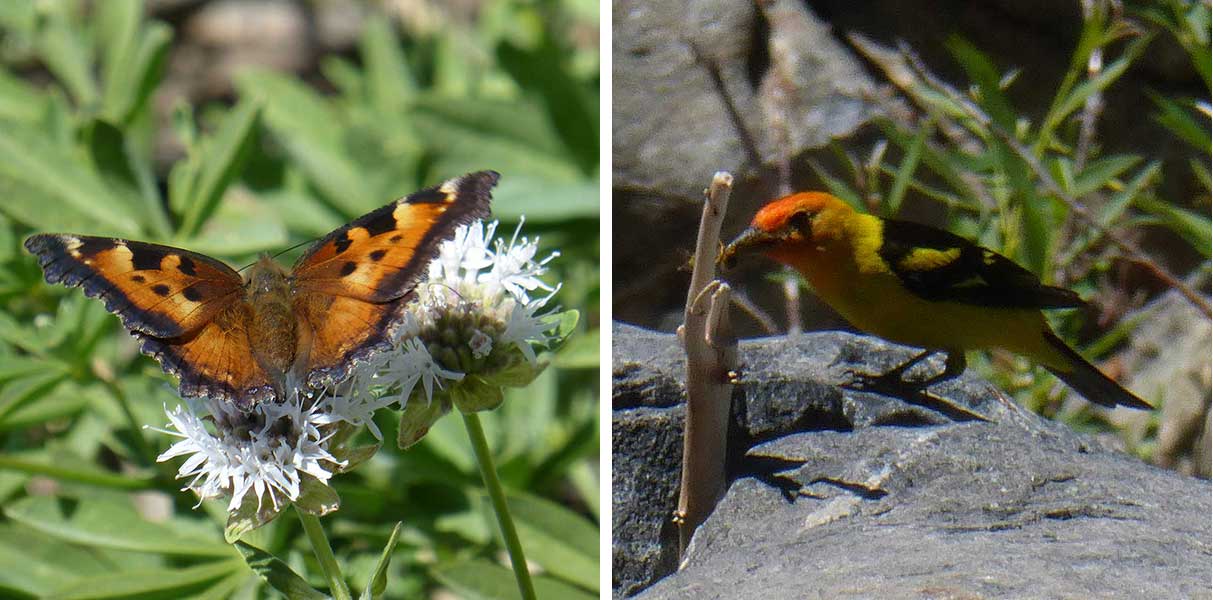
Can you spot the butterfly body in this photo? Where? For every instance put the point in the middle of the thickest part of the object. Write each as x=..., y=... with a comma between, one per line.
x=254, y=338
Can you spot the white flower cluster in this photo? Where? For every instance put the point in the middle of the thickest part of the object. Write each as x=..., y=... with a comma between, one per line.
x=267, y=450
x=477, y=299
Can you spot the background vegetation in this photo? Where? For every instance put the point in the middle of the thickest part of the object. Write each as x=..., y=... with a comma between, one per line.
x=92, y=140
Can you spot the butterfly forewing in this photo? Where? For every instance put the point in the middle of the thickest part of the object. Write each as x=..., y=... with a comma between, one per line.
x=156, y=290
x=351, y=287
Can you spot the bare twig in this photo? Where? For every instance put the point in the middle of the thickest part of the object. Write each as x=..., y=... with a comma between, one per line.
x=747, y=141
x=711, y=362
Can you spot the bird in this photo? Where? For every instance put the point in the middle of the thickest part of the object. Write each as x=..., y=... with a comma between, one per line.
x=921, y=286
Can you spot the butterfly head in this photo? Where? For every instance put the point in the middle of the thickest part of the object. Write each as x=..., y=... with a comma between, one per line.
x=266, y=276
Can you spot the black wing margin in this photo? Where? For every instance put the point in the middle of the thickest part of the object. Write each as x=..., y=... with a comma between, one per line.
x=940, y=266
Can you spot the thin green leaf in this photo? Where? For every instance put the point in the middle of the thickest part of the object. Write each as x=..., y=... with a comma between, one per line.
x=49, y=179
x=148, y=583
x=378, y=580
x=545, y=69
x=224, y=155
x=1179, y=121
x=837, y=187
x=66, y=55
x=1101, y=171
x=541, y=201
x=24, y=390
x=479, y=579
x=982, y=72
x=563, y=542
x=124, y=172
x=905, y=173
x=107, y=524
x=277, y=573
x=1193, y=227
x=20, y=101
x=1119, y=201
x=388, y=79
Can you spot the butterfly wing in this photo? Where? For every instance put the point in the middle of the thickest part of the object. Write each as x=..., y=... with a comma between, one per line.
x=156, y=290
x=186, y=308
x=351, y=286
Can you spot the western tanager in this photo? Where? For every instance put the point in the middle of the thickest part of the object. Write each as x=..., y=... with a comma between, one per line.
x=922, y=286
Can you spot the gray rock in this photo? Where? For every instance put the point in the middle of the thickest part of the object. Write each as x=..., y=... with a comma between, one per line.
x=844, y=494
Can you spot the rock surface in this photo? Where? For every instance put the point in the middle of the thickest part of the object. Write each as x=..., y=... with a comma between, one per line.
x=844, y=494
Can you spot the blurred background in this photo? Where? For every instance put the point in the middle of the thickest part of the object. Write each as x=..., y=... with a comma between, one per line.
x=1073, y=137
x=234, y=128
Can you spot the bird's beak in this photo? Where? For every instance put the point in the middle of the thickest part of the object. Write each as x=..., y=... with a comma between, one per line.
x=751, y=240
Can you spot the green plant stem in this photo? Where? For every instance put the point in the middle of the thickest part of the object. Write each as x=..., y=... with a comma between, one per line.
x=489, y=473
x=324, y=554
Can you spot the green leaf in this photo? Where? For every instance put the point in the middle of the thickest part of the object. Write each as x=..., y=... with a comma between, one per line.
x=224, y=154
x=982, y=72
x=905, y=173
x=44, y=183
x=1119, y=201
x=541, y=201
x=28, y=388
x=252, y=513
x=509, y=137
x=277, y=573
x=837, y=187
x=67, y=56
x=388, y=80
x=581, y=352
x=107, y=524
x=131, y=87
x=479, y=579
x=20, y=101
x=316, y=497
x=378, y=581
x=1193, y=227
x=125, y=173
x=1178, y=119
x=574, y=116
x=149, y=583
x=1101, y=171
x=34, y=564
x=560, y=540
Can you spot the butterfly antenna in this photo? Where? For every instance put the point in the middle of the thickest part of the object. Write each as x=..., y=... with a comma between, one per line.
x=303, y=243
x=279, y=253
x=453, y=290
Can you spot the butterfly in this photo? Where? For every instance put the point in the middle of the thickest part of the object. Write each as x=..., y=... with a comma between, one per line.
x=258, y=337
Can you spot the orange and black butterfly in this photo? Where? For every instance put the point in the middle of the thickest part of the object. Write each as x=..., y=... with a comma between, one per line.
x=255, y=338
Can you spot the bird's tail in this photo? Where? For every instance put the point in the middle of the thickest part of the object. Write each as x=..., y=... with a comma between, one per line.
x=1087, y=380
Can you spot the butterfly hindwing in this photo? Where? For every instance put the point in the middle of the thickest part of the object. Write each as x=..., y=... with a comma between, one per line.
x=215, y=361
x=156, y=290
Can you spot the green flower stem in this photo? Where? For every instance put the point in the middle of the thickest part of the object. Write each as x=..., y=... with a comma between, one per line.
x=324, y=554
x=489, y=473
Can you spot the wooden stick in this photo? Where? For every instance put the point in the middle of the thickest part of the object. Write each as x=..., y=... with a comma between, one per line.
x=711, y=363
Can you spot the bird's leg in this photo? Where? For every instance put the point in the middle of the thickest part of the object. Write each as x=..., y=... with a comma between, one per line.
x=954, y=365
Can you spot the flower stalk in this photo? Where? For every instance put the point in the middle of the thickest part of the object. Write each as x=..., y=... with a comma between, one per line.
x=324, y=554
x=488, y=472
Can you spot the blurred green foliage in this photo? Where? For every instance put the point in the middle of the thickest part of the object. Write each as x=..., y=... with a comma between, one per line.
x=86, y=509
x=1040, y=188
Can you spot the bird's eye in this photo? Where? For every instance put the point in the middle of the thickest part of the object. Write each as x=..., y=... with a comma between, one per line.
x=802, y=222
